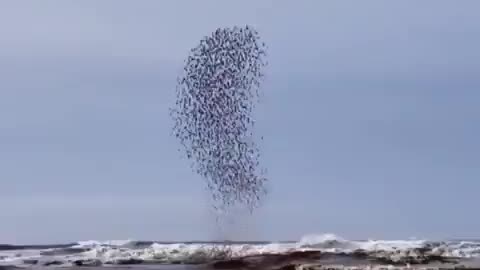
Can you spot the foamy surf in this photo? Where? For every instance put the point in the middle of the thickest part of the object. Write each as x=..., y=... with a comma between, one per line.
x=122, y=252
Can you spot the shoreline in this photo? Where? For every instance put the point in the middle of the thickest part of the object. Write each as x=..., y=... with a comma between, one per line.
x=313, y=260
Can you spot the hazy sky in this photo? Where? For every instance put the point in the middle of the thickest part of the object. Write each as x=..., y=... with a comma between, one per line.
x=370, y=116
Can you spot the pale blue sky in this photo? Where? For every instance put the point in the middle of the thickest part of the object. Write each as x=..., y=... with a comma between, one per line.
x=370, y=117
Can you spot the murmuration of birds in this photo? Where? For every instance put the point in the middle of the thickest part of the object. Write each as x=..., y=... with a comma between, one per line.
x=217, y=93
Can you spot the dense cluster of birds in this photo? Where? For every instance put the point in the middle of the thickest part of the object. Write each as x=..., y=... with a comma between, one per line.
x=216, y=95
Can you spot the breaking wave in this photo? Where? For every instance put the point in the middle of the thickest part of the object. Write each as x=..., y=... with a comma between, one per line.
x=136, y=252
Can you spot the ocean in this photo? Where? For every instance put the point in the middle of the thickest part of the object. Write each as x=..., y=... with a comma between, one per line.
x=327, y=249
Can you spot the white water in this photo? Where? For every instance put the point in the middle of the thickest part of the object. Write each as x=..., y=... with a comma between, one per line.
x=116, y=251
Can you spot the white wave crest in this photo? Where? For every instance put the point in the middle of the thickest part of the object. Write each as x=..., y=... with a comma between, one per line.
x=94, y=243
x=121, y=251
x=334, y=243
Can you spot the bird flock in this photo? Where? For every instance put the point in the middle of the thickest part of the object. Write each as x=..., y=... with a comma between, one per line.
x=213, y=115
